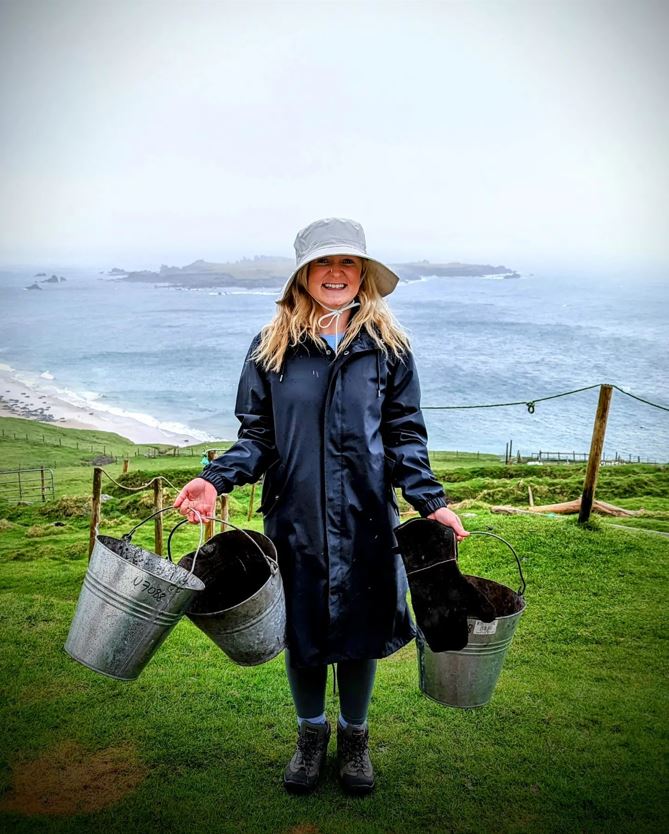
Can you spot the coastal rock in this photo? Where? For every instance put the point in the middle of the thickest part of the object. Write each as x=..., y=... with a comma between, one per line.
x=52, y=280
x=34, y=286
x=418, y=269
x=268, y=272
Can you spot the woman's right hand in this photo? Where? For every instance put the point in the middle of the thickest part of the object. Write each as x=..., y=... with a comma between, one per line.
x=198, y=495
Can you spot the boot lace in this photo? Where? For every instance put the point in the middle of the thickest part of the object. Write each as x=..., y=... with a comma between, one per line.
x=355, y=750
x=308, y=744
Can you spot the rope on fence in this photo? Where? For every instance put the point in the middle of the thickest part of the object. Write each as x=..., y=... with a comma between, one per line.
x=140, y=488
x=647, y=402
x=530, y=404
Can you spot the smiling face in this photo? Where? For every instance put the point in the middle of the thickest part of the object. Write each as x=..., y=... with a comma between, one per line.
x=335, y=280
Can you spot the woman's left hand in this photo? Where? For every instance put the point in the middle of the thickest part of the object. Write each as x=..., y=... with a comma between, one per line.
x=448, y=518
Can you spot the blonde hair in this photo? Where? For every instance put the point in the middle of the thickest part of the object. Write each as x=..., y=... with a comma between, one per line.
x=296, y=321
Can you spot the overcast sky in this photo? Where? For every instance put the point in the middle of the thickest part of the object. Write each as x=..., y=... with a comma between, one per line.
x=527, y=133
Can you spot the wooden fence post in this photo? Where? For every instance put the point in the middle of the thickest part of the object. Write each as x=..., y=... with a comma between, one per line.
x=209, y=529
x=158, y=520
x=225, y=512
x=95, y=508
x=596, y=446
x=41, y=472
x=126, y=463
x=253, y=492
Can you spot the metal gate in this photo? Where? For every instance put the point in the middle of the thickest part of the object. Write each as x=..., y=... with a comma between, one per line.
x=26, y=486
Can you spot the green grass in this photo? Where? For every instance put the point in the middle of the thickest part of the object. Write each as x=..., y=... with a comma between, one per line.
x=574, y=740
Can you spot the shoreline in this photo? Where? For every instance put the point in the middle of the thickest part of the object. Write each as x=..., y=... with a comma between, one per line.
x=40, y=400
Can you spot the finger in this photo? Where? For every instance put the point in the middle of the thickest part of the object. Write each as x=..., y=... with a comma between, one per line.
x=456, y=524
x=178, y=501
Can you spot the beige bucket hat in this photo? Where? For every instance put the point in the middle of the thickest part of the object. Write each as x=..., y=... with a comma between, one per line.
x=338, y=236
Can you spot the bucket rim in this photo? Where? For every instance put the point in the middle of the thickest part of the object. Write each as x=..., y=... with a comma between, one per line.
x=246, y=532
x=203, y=614
x=193, y=582
x=518, y=596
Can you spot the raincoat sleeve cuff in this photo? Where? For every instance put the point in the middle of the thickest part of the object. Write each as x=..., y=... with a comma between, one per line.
x=430, y=506
x=221, y=483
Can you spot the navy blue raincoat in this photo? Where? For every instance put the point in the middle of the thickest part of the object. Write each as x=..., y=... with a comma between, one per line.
x=332, y=435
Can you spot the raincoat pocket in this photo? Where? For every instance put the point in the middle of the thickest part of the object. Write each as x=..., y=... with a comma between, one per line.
x=273, y=488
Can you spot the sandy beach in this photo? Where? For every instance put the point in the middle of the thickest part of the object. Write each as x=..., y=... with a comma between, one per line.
x=37, y=398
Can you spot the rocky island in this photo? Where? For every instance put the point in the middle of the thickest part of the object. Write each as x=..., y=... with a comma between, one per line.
x=269, y=272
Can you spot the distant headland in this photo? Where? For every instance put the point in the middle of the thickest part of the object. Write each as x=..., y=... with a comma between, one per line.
x=271, y=272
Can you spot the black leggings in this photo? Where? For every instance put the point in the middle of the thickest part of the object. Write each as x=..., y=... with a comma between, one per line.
x=354, y=677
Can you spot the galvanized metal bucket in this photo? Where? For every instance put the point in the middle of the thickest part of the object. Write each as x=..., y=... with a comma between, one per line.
x=242, y=608
x=130, y=601
x=467, y=678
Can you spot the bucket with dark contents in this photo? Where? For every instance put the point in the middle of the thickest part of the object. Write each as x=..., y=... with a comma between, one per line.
x=130, y=601
x=242, y=608
x=467, y=678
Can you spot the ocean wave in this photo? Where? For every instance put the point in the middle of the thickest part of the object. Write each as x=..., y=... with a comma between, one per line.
x=92, y=404
x=230, y=291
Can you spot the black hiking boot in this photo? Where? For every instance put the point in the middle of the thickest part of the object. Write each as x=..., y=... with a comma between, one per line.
x=304, y=769
x=356, y=773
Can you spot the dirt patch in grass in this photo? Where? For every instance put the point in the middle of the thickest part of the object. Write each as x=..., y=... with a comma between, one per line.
x=305, y=828
x=68, y=780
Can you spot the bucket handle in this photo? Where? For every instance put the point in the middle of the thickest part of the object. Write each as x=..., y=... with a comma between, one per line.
x=523, y=585
x=272, y=563
x=128, y=536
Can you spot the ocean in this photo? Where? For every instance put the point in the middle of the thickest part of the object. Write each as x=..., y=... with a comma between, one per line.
x=164, y=358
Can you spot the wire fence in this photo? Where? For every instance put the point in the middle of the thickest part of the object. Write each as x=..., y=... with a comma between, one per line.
x=581, y=457
x=113, y=454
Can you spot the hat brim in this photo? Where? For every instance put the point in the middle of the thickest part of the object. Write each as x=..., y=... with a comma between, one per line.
x=385, y=279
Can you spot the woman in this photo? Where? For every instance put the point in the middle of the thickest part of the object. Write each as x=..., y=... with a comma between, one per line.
x=329, y=405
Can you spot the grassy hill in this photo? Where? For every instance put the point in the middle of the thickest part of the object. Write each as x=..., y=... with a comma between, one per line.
x=574, y=740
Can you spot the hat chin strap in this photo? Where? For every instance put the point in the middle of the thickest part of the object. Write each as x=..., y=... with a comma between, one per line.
x=335, y=313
